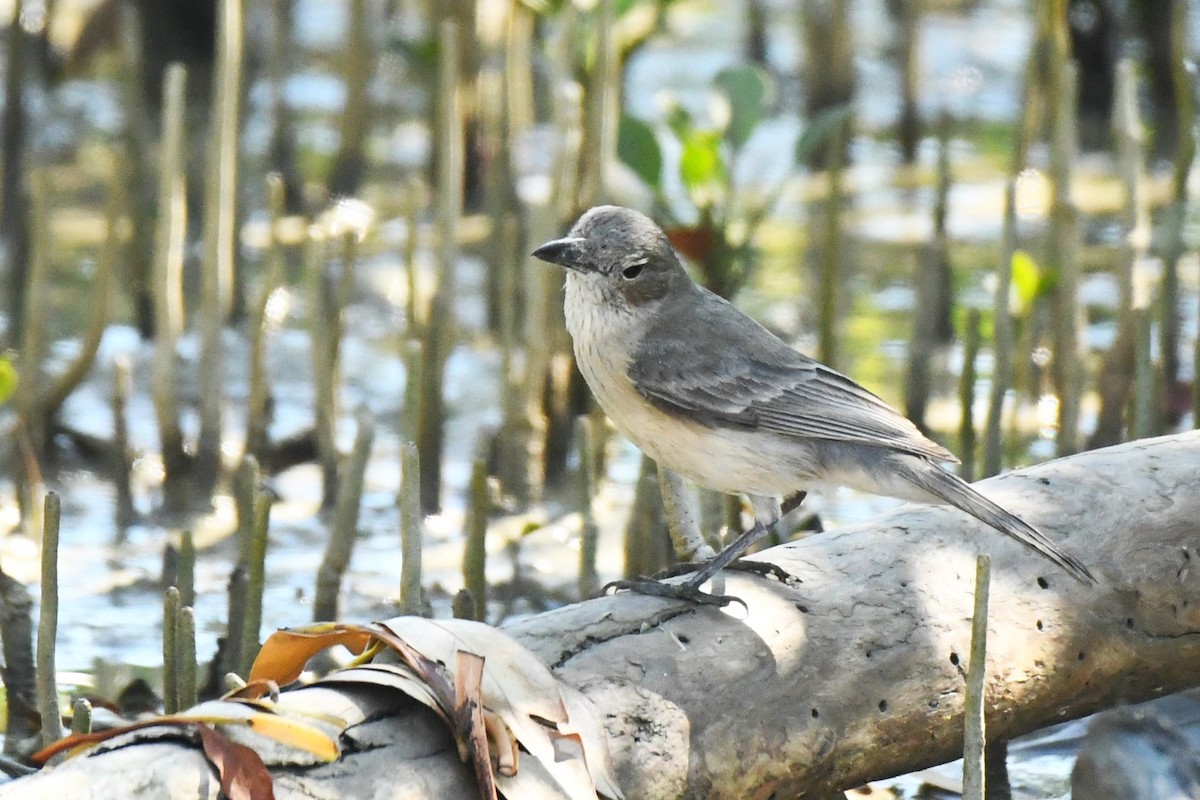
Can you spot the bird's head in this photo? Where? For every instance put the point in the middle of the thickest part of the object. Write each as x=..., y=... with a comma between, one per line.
x=622, y=252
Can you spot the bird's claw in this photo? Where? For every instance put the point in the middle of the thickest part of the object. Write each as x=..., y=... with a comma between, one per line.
x=673, y=591
x=764, y=569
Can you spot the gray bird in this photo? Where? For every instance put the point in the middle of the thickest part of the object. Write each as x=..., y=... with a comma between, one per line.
x=708, y=392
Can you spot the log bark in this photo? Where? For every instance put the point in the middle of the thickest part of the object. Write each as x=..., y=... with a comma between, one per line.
x=855, y=674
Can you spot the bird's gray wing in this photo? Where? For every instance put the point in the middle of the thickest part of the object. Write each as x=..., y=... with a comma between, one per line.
x=712, y=364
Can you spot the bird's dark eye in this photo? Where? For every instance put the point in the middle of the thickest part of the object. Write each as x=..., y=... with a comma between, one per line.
x=632, y=271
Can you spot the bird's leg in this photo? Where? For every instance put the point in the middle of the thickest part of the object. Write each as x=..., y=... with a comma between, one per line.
x=730, y=553
x=690, y=589
x=727, y=558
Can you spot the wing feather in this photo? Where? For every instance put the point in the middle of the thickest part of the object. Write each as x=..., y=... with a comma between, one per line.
x=705, y=360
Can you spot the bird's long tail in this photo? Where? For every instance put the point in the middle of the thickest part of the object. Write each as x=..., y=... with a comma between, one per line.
x=958, y=493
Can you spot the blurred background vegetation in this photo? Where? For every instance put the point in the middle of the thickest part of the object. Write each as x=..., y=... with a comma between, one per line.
x=253, y=249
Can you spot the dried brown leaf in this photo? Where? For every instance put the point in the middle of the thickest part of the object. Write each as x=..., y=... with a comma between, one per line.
x=538, y=708
x=254, y=690
x=242, y=773
x=468, y=717
x=284, y=654
x=295, y=734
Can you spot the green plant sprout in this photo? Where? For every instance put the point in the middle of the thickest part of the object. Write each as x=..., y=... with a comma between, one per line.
x=719, y=238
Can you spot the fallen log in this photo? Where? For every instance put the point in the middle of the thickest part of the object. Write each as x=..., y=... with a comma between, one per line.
x=855, y=673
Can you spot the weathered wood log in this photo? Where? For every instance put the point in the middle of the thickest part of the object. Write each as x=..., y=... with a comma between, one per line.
x=855, y=674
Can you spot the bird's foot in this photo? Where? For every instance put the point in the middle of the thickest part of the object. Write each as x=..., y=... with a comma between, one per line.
x=762, y=568
x=673, y=591
x=690, y=590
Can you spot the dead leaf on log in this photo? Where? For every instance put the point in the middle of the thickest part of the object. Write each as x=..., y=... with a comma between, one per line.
x=257, y=716
x=283, y=656
x=542, y=712
x=242, y=773
x=468, y=718
x=520, y=701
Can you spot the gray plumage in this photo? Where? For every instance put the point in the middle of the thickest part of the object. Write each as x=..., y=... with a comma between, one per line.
x=708, y=392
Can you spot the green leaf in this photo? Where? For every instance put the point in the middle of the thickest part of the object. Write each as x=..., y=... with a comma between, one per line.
x=638, y=148
x=8, y=379
x=820, y=129
x=1026, y=280
x=701, y=163
x=746, y=89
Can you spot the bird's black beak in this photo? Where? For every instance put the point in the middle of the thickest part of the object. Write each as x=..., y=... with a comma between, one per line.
x=566, y=252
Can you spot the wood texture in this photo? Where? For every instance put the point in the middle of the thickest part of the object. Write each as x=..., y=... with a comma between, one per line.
x=857, y=673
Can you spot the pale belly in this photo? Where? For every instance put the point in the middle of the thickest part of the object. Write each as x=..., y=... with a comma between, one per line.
x=725, y=460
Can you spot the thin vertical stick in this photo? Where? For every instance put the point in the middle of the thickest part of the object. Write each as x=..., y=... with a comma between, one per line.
x=1064, y=237
x=448, y=206
x=325, y=349
x=831, y=257
x=345, y=524
x=220, y=215
x=258, y=396
x=139, y=140
x=185, y=649
x=33, y=336
x=122, y=460
x=231, y=652
x=349, y=163
x=585, y=444
x=449, y=165
x=170, y=650
x=220, y=207
x=186, y=572
x=245, y=496
x=410, y=413
x=430, y=413
x=47, y=677
x=169, y=235
x=411, y=601
x=475, y=549
x=966, y=395
x=1144, y=419
x=1185, y=105
x=600, y=113
x=280, y=151
x=1002, y=338
x=1134, y=282
x=414, y=201
x=518, y=71
x=81, y=716
x=933, y=288
x=13, y=208
x=255, y=580
x=974, y=735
